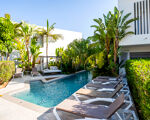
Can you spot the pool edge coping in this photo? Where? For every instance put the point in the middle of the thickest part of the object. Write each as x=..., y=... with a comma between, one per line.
x=37, y=108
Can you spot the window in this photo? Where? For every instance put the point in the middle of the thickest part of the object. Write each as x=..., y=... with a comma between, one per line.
x=142, y=12
x=135, y=55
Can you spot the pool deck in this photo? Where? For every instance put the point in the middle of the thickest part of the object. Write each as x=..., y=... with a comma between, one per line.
x=17, y=109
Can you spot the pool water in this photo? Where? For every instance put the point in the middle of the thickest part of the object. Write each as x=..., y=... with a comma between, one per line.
x=51, y=94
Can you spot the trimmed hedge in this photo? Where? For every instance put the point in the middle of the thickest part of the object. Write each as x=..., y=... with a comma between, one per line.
x=138, y=75
x=7, y=69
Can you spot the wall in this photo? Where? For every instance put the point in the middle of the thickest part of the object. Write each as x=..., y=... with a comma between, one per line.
x=68, y=37
x=137, y=48
x=128, y=7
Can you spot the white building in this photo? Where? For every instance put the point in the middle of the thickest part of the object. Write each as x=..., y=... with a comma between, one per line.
x=67, y=37
x=137, y=45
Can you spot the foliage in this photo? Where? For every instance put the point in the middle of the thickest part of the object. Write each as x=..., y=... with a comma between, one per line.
x=106, y=38
x=138, y=75
x=7, y=69
x=74, y=57
x=27, y=45
x=27, y=33
x=23, y=59
x=35, y=50
x=6, y=35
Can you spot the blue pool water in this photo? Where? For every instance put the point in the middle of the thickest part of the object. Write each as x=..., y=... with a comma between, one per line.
x=51, y=94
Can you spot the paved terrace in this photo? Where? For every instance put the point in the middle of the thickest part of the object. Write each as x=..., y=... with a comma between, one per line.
x=16, y=109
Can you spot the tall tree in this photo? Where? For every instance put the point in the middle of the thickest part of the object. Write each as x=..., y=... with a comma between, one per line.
x=6, y=35
x=27, y=32
x=35, y=50
x=109, y=33
x=102, y=37
x=50, y=37
x=120, y=25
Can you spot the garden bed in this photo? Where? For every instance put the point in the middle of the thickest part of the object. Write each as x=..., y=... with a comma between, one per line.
x=4, y=85
x=7, y=69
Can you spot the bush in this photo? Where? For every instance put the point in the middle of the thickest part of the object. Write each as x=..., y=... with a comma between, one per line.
x=7, y=69
x=138, y=75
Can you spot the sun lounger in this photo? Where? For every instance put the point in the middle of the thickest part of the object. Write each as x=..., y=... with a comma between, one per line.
x=100, y=80
x=46, y=71
x=53, y=69
x=103, y=78
x=106, y=81
x=105, y=97
x=34, y=72
x=19, y=72
x=99, y=85
x=90, y=110
x=96, y=96
x=94, y=93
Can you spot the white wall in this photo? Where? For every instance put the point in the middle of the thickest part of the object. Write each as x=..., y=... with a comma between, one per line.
x=128, y=7
x=140, y=48
x=68, y=37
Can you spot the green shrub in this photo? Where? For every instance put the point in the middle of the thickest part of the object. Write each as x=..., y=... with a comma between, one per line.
x=7, y=69
x=138, y=75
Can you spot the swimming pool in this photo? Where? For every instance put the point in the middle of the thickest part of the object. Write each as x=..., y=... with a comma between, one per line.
x=51, y=94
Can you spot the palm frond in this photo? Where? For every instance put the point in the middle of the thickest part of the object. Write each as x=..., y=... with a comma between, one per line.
x=125, y=18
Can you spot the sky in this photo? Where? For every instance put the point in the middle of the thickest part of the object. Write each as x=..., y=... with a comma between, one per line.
x=74, y=15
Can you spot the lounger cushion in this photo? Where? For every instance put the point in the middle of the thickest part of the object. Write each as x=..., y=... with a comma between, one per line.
x=111, y=85
x=90, y=110
x=82, y=109
x=51, y=71
x=94, y=93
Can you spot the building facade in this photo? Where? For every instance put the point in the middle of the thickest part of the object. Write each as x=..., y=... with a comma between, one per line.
x=67, y=37
x=138, y=44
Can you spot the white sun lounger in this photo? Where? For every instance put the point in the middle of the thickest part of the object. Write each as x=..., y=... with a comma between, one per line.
x=46, y=71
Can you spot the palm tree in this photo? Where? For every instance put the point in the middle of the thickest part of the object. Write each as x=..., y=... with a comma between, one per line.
x=27, y=31
x=120, y=25
x=50, y=37
x=35, y=50
x=108, y=34
x=102, y=35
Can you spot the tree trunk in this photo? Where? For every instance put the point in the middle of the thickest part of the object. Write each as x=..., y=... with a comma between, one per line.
x=115, y=51
x=8, y=57
x=28, y=59
x=116, y=44
x=2, y=58
x=33, y=62
x=47, y=51
x=107, y=48
x=28, y=67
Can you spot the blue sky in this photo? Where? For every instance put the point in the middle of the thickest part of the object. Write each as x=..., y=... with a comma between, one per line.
x=74, y=15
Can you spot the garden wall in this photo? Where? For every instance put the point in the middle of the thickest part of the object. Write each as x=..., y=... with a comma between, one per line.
x=138, y=75
x=7, y=69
